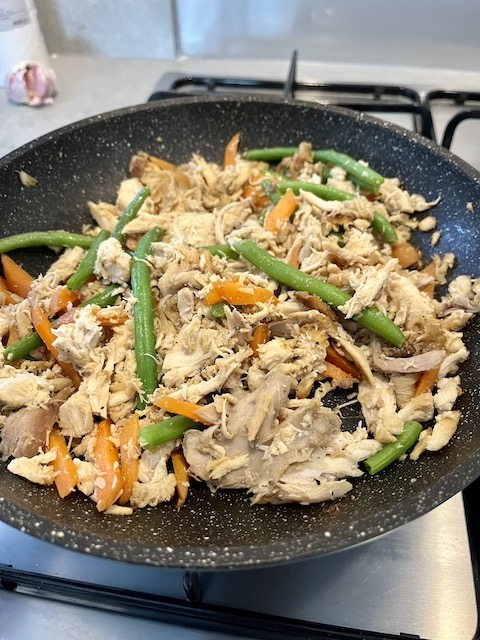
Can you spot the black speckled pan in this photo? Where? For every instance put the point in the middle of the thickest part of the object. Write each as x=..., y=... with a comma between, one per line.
x=86, y=161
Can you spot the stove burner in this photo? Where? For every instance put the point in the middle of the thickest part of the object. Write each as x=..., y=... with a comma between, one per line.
x=461, y=98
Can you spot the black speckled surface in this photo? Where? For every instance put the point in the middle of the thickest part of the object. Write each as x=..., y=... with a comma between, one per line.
x=86, y=161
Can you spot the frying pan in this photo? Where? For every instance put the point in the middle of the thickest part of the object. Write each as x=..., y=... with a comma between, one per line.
x=86, y=161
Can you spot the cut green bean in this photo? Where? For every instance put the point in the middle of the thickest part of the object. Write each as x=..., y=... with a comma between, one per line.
x=87, y=265
x=384, y=228
x=130, y=213
x=320, y=190
x=273, y=154
x=370, y=318
x=143, y=316
x=165, y=431
x=339, y=237
x=45, y=239
x=218, y=310
x=393, y=450
x=272, y=190
x=351, y=166
x=221, y=250
x=26, y=345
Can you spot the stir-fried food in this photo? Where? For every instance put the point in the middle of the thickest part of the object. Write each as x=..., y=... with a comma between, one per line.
x=200, y=327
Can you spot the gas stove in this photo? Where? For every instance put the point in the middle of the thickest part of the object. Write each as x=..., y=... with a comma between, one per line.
x=419, y=581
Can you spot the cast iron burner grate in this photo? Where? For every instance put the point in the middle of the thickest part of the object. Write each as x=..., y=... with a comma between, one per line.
x=469, y=103
x=369, y=98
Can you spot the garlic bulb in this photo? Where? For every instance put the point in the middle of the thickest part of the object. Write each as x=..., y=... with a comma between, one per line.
x=30, y=83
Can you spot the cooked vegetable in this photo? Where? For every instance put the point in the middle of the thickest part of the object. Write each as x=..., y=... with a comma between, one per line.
x=60, y=300
x=8, y=297
x=370, y=318
x=392, y=451
x=281, y=212
x=66, y=477
x=334, y=372
x=143, y=315
x=336, y=358
x=260, y=336
x=222, y=250
x=320, y=190
x=231, y=150
x=238, y=293
x=274, y=154
x=384, y=228
x=166, y=431
x=181, y=408
x=45, y=239
x=109, y=483
x=130, y=213
x=129, y=456
x=18, y=280
x=85, y=269
x=180, y=469
x=406, y=254
x=352, y=167
x=218, y=310
x=426, y=381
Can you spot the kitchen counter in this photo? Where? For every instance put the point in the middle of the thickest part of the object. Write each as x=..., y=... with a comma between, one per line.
x=91, y=85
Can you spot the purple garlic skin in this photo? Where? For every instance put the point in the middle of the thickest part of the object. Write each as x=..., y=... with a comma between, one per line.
x=30, y=83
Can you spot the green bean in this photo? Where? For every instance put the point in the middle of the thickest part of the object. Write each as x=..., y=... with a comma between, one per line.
x=45, y=238
x=165, y=431
x=221, y=250
x=384, y=228
x=339, y=236
x=270, y=155
x=130, y=213
x=87, y=265
x=351, y=166
x=320, y=190
x=370, y=318
x=143, y=316
x=218, y=310
x=26, y=345
x=393, y=450
x=272, y=190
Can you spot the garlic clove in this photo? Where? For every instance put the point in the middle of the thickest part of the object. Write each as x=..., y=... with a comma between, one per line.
x=30, y=83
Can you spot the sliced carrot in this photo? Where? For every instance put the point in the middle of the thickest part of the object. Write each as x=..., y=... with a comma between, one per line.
x=61, y=298
x=66, y=477
x=9, y=299
x=427, y=381
x=281, y=212
x=237, y=293
x=336, y=358
x=129, y=456
x=259, y=198
x=231, y=150
x=334, y=372
x=162, y=164
x=109, y=482
x=260, y=336
x=406, y=254
x=180, y=469
x=181, y=408
x=18, y=280
x=44, y=329
x=430, y=270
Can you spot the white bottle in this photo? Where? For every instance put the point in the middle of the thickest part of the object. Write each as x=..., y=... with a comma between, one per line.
x=20, y=36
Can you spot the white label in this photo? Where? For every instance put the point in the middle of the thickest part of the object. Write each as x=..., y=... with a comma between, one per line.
x=13, y=14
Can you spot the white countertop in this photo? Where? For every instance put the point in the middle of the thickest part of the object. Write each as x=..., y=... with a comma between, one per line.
x=90, y=85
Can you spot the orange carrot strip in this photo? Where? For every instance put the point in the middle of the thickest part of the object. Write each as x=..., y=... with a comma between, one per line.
x=334, y=372
x=259, y=198
x=180, y=469
x=181, y=408
x=406, y=254
x=66, y=472
x=336, y=358
x=281, y=212
x=236, y=293
x=109, y=483
x=129, y=456
x=260, y=336
x=426, y=381
x=44, y=329
x=9, y=299
x=18, y=280
x=231, y=150
x=61, y=298
x=430, y=270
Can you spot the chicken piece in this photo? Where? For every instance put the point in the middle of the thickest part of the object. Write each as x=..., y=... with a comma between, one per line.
x=419, y=408
x=463, y=294
x=76, y=342
x=450, y=363
x=379, y=409
x=26, y=431
x=399, y=200
x=118, y=510
x=24, y=389
x=448, y=390
x=36, y=468
x=413, y=364
x=445, y=426
x=421, y=445
x=105, y=215
x=127, y=192
x=67, y=263
x=186, y=304
x=428, y=223
x=23, y=318
x=404, y=385
x=194, y=229
x=112, y=264
x=86, y=475
x=75, y=416
x=367, y=285
x=155, y=484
